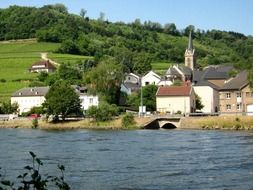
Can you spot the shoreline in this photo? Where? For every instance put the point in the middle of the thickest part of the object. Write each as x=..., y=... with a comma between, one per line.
x=200, y=123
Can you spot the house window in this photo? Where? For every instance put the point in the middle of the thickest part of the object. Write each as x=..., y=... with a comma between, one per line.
x=238, y=95
x=238, y=106
x=228, y=95
x=129, y=78
x=228, y=107
x=146, y=83
x=91, y=100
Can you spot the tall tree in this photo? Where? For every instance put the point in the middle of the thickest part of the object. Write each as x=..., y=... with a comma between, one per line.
x=62, y=100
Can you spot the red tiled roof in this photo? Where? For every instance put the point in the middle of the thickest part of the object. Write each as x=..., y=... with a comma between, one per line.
x=44, y=65
x=174, y=91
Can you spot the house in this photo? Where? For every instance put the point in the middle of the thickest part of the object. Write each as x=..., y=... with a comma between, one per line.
x=179, y=72
x=28, y=98
x=132, y=83
x=150, y=78
x=207, y=83
x=236, y=95
x=87, y=100
x=173, y=99
x=42, y=66
x=209, y=96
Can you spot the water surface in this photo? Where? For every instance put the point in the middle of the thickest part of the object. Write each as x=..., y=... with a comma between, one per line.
x=141, y=159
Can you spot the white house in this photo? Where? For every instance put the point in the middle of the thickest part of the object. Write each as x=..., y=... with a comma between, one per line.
x=28, y=98
x=173, y=99
x=42, y=66
x=132, y=78
x=150, y=78
x=209, y=97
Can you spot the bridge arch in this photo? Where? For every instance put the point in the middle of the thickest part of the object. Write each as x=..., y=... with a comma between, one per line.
x=168, y=126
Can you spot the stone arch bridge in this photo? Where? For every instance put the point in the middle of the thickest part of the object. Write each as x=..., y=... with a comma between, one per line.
x=163, y=122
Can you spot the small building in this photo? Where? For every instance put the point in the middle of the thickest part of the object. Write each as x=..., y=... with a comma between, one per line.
x=132, y=83
x=87, y=100
x=175, y=99
x=42, y=66
x=150, y=78
x=236, y=95
x=28, y=98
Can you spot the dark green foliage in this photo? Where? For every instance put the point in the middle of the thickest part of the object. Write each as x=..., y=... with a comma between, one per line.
x=128, y=120
x=62, y=100
x=8, y=108
x=3, y=80
x=37, y=110
x=149, y=98
x=33, y=179
x=35, y=123
x=103, y=112
x=67, y=72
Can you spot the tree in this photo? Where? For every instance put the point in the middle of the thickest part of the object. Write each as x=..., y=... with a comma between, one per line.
x=142, y=63
x=83, y=13
x=62, y=100
x=106, y=79
x=199, y=105
x=8, y=108
x=149, y=98
x=67, y=72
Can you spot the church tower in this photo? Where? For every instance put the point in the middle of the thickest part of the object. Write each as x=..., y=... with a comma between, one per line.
x=190, y=57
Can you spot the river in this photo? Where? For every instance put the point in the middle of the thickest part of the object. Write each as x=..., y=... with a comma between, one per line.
x=138, y=159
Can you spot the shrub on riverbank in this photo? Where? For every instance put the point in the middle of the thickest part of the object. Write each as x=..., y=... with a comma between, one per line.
x=128, y=120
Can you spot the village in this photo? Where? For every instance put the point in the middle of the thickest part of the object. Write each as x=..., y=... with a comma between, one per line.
x=218, y=91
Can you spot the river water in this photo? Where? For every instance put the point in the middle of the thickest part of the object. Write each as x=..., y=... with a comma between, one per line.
x=138, y=159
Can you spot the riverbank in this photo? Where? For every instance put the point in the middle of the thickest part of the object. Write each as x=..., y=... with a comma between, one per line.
x=218, y=122
x=82, y=124
x=207, y=123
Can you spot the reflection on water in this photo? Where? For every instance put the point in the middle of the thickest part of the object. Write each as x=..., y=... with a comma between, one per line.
x=141, y=159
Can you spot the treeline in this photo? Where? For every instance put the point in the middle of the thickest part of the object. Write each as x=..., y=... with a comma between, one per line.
x=82, y=35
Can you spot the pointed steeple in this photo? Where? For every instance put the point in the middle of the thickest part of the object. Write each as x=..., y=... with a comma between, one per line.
x=190, y=57
x=190, y=44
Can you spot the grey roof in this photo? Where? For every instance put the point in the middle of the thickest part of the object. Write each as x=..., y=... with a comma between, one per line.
x=206, y=83
x=185, y=70
x=32, y=91
x=172, y=71
x=212, y=73
x=237, y=83
x=132, y=86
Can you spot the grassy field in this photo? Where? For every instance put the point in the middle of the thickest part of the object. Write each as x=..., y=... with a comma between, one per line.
x=16, y=57
x=67, y=58
x=160, y=67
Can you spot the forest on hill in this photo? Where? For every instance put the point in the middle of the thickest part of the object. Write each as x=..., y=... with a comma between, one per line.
x=134, y=45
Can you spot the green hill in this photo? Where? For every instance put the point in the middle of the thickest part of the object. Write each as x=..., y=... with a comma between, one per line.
x=16, y=57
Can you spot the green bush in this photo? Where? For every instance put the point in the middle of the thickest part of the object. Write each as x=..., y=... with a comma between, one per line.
x=128, y=120
x=2, y=80
x=103, y=112
x=35, y=123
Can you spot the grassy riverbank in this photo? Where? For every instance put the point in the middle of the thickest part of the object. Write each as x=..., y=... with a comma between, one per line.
x=218, y=122
x=207, y=123
x=83, y=124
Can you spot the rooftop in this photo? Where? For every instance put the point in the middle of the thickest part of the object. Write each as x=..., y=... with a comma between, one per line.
x=174, y=91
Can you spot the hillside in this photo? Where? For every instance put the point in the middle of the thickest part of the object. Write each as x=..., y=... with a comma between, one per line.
x=85, y=36
x=16, y=57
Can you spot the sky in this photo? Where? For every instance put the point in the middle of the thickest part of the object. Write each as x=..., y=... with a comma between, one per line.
x=228, y=15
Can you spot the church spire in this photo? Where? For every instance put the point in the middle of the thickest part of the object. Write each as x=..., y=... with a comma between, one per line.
x=190, y=57
x=190, y=44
